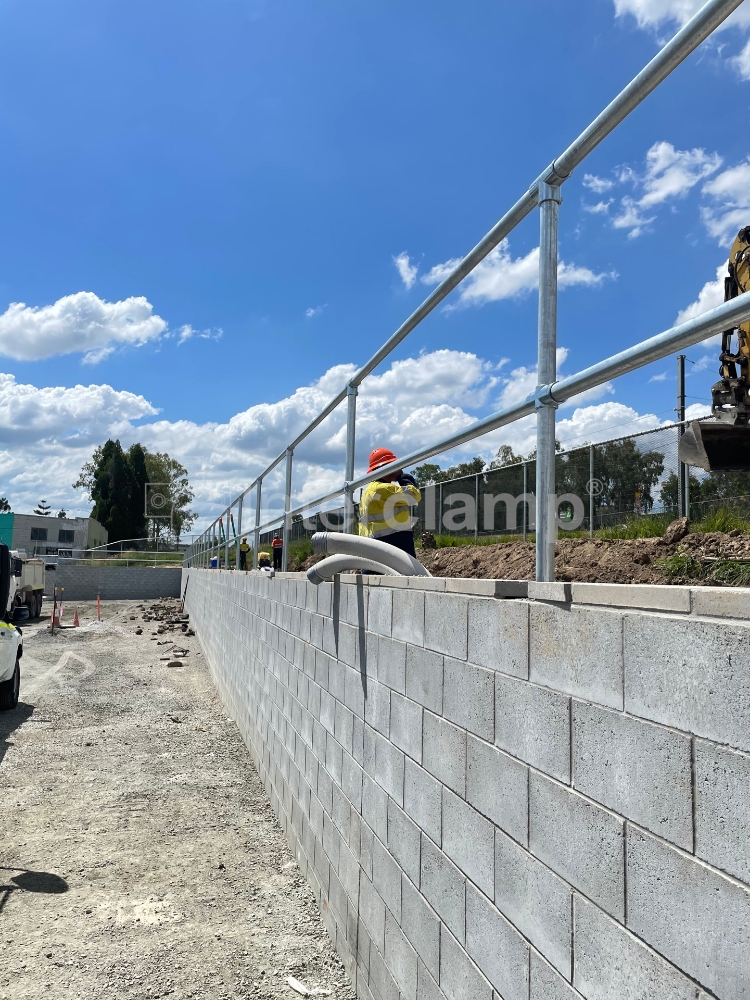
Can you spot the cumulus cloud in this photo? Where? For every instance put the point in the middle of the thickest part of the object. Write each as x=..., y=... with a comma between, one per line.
x=710, y=296
x=80, y=323
x=661, y=377
x=600, y=208
x=187, y=332
x=730, y=193
x=314, y=311
x=501, y=276
x=599, y=185
x=668, y=174
x=407, y=271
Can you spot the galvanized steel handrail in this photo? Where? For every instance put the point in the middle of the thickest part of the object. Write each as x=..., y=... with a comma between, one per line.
x=543, y=192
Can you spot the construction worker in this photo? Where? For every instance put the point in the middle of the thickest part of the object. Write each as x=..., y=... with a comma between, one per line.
x=278, y=547
x=264, y=560
x=244, y=549
x=385, y=510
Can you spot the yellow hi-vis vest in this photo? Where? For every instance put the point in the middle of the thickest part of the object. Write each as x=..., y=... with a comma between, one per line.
x=386, y=508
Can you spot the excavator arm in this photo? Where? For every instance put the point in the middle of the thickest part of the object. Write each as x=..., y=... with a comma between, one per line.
x=724, y=443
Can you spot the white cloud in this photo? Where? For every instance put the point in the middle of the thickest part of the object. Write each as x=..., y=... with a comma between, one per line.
x=600, y=208
x=599, y=185
x=668, y=173
x=500, y=276
x=730, y=191
x=187, y=332
x=741, y=62
x=661, y=377
x=314, y=311
x=710, y=296
x=80, y=323
x=407, y=271
x=653, y=13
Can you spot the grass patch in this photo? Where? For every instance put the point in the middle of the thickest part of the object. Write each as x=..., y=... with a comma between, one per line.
x=731, y=574
x=723, y=519
x=647, y=526
x=680, y=565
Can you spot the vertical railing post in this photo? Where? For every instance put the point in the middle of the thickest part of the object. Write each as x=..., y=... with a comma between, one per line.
x=546, y=509
x=683, y=503
x=256, y=539
x=525, y=508
x=238, y=535
x=591, y=491
x=476, y=508
x=286, y=533
x=351, y=423
x=226, y=540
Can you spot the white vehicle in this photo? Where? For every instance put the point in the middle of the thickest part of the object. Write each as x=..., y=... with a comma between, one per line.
x=26, y=587
x=11, y=638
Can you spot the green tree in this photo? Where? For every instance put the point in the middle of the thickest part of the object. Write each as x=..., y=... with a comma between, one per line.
x=430, y=473
x=114, y=492
x=4, y=505
x=627, y=476
x=42, y=508
x=161, y=468
x=62, y=512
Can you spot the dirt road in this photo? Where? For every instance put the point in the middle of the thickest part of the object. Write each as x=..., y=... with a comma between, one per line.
x=138, y=854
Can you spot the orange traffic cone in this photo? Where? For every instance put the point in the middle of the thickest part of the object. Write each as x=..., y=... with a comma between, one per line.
x=76, y=623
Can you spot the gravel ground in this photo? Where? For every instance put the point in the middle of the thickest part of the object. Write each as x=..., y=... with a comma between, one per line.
x=139, y=856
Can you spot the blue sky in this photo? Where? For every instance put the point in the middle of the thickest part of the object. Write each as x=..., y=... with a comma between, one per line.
x=233, y=184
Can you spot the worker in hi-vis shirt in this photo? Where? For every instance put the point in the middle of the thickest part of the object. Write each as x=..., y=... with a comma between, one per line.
x=387, y=505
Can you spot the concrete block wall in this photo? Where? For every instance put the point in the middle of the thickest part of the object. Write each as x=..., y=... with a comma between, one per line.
x=499, y=799
x=113, y=583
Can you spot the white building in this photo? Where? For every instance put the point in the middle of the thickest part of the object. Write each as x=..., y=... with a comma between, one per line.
x=47, y=535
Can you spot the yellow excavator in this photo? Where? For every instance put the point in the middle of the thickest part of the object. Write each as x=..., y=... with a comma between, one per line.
x=723, y=445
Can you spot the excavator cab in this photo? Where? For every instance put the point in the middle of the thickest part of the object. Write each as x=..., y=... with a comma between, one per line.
x=723, y=444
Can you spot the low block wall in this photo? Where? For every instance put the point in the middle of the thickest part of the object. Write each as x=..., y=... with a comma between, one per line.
x=113, y=583
x=501, y=799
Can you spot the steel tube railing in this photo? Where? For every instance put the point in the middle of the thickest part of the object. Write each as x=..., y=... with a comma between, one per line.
x=685, y=41
x=287, y=507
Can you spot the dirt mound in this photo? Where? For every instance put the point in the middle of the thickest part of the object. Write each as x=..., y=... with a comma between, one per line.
x=710, y=558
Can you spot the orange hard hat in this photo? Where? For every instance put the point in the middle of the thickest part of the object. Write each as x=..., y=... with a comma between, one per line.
x=381, y=456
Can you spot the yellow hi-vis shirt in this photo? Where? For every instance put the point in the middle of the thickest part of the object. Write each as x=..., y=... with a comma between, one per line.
x=386, y=508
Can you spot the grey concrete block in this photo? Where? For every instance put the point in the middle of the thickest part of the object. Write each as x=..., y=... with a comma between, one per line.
x=375, y=806
x=406, y=726
x=460, y=979
x=388, y=768
x=355, y=611
x=581, y=842
x=444, y=752
x=431, y=583
x=612, y=963
x=400, y=958
x=499, y=635
x=349, y=645
x=497, y=786
x=354, y=692
x=695, y=677
x=546, y=984
x=343, y=726
x=421, y=925
x=381, y=982
x=446, y=622
x=424, y=678
x=392, y=662
x=444, y=888
x=468, y=840
x=694, y=917
x=372, y=912
x=558, y=592
x=722, y=808
x=651, y=597
x=487, y=588
x=386, y=877
x=380, y=610
x=721, y=602
x=349, y=873
x=408, y=617
x=533, y=724
x=578, y=651
x=635, y=768
x=468, y=697
x=427, y=988
x=535, y=901
x=404, y=840
x=496, y=947
x=423, y=800
x=378, y=707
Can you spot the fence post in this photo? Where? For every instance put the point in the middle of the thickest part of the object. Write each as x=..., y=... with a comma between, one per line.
x=287, y=507
x=591, y=491
x=525, y=507
x=476, y=508
x=440, y=510
x=257, y=523
x=226, y=540
x=549, y=199
x=351, y=422
x=239, y=534
x=683, y=471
